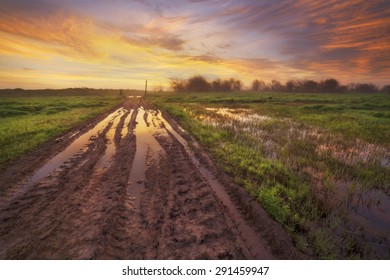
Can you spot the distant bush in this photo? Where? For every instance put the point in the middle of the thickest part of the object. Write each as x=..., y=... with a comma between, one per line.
x=199, y=83
x=386, y=89
x=363, y=88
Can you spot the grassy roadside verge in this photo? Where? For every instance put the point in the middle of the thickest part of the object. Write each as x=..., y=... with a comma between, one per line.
x=366, y=116
x=28, y=121
x=292, y=161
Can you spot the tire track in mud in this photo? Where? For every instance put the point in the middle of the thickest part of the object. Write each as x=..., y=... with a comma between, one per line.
x=129, y=189
x=66, y=206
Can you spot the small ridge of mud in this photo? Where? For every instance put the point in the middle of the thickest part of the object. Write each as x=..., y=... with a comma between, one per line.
x=129, y=186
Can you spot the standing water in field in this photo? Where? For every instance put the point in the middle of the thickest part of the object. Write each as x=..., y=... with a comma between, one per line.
x=360, y=198
x=242, y=115
x=366, y=210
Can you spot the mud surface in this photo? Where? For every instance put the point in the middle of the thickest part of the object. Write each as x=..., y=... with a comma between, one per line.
x=129, y=186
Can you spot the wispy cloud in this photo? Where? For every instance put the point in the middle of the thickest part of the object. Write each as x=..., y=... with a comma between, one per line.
x=128, y=40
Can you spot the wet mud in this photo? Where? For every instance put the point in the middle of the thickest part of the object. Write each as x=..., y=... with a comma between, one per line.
x=128, y=185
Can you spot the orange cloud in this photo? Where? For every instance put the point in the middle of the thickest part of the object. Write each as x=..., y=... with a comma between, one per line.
x=57, y=30
x=120, y=44
x=70, y=51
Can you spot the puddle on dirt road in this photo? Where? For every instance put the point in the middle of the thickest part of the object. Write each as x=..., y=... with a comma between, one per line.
x=150, y=123
x=145, y=142
x=77, y=147
x=125, y=129
x=105, y=160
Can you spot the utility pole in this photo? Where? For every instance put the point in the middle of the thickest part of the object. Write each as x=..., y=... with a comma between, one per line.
x=146, y=87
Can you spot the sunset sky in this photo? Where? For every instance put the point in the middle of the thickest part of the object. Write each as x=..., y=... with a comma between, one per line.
x=120, y=43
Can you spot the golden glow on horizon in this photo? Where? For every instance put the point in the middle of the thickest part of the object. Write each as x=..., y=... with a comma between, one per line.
x=102, y=59
x=70, y=50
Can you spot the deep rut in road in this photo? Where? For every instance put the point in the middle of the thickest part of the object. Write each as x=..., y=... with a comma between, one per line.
x=128, y=186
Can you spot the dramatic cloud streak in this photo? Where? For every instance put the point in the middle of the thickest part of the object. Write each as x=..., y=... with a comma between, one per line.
x=120, y=43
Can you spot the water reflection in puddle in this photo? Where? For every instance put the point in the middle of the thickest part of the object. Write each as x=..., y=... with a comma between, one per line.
x=105, y=160
x=356, y=152
x=145, y=142
x=77, y=147
x=369, y=209
x=151, y=123
x=125, y=129
x=243, y=115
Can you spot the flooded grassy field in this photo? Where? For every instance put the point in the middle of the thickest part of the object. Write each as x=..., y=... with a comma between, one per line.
x=319, y=164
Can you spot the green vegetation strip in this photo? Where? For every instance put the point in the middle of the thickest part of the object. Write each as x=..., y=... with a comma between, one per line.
x=284, y=184
x=366, y=116
x=26, y=122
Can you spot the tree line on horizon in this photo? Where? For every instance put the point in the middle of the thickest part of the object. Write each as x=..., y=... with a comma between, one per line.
x=198, y=83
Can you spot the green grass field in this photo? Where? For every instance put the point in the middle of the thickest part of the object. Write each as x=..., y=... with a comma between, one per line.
x=304, y=157
x=29, y=118
x=292, y=152
x=355, y=115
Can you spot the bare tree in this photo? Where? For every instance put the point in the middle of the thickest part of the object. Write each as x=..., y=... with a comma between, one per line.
x=309, y=86
x=158, y=88
x=363, y=88
x=177, y=84
x=291, y=85
x=385, y=89
x=236, y=84
x=198, y=84
x=330, y=85
x=216, y=85
x=226, y=85
x=276, y=86
x=256, y=85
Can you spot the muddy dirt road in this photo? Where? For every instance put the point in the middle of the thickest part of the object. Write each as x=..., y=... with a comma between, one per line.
x=129, y=186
